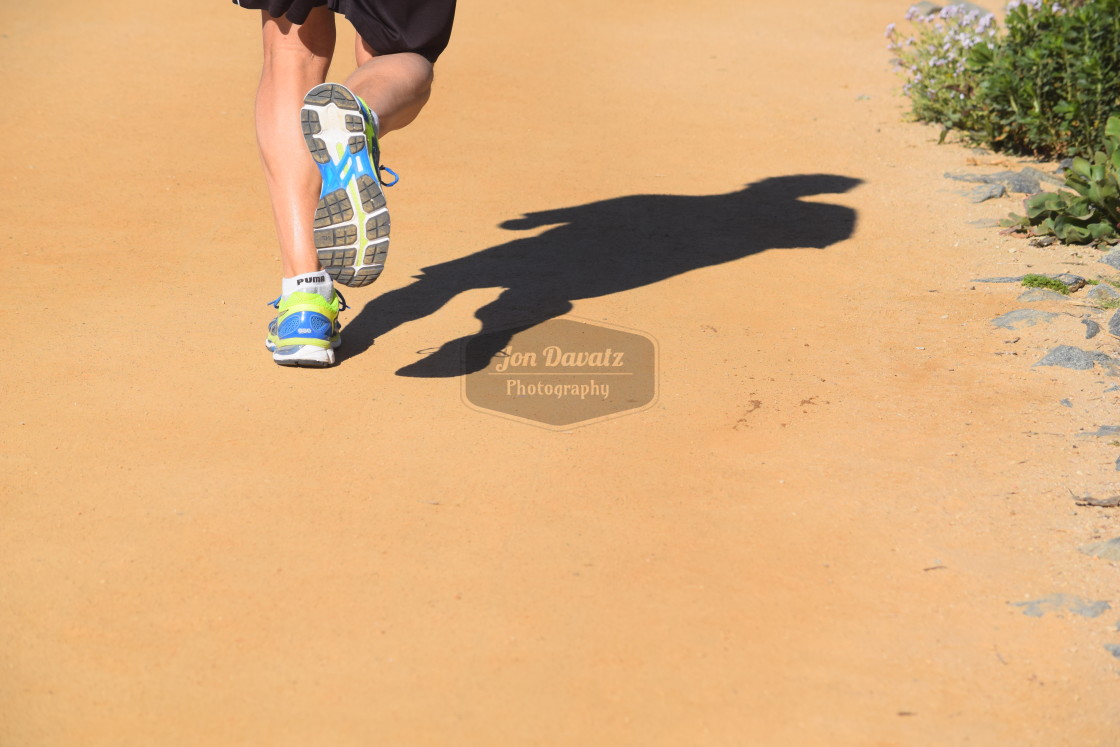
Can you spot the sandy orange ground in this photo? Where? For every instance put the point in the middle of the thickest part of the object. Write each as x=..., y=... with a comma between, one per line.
x=200, y=548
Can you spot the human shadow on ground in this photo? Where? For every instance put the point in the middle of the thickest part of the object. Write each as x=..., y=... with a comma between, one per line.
x=602, y=248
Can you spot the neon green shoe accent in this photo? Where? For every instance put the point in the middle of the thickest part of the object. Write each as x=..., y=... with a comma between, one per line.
x=306, y=319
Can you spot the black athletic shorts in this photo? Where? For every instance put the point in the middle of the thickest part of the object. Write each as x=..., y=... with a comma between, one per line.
x=388, y=26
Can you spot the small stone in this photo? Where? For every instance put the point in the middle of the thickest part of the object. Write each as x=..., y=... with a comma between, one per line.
x=1104, y=431
x=977, y=178
x=1035, y=295
x=986, y=192
x=1113, y=649
x=1103, y=292
x=1112, y=259
x=984, y=223
x=1092, y=329
x=1022, y=182
x=1066, y=403
x=1114, y=324
x=1069, y=280
x=1107, y=550
x=1063, y=602
x=1118, y=464
x=1024, y=318
x=1042, y=176
x=1067, y=356
x=1043, y=241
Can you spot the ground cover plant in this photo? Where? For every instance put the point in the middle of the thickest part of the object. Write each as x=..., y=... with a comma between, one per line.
x=1042, y=83
x=1041, y=281
x=1088, y=211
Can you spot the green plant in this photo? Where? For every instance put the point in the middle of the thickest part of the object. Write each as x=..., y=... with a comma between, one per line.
x=1088, y=214
x=1046, y=85
x=1041, y=281
x=940, y=84
x=1109, y=303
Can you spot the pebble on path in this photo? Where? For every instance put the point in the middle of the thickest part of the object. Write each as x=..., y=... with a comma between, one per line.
x=1063, y=602
x=1092, y=329
x=1034, y=295
x=1024, y=318
x=1105, y=431
x=1067, y=356
x=1103, y=292
x=1107, y=550
x=986, y=192
x=1112, y=259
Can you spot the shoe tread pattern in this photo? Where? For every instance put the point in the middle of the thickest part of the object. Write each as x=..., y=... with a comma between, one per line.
x=352, y=240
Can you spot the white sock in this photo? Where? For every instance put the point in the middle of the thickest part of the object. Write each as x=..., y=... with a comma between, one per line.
x=309, y=282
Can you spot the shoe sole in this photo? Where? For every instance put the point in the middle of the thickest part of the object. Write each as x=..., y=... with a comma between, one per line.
x=351, y=221
x=304, y=356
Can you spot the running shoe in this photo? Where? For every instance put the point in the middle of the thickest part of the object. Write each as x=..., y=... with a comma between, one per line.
x=351, y=220
x=306, y=331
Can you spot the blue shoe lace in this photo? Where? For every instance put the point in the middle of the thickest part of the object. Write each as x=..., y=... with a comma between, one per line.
x=396, y=176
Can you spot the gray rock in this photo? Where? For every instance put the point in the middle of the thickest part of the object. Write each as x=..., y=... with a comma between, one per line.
x=1023, y=182
x=1114, y=324
x=1113, y=649
x=1026, y=181
x=1071, y=281
x=1066, y=403
x=1092, y=329
x=1043, y=176
x=984, y=223
x=1063, y=603
x=1103, y=292
x=986, y=192
x=976, y=178
x=1112, y=259
x=1035, y=295
x=1043, y=241
x=925, y=8
x=1107, y=550
x=1067, y=356
x=1105, y=431
x=1118, y=464
x=1024, y=318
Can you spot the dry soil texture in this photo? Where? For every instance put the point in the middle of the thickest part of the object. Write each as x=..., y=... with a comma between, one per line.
x=817, y=535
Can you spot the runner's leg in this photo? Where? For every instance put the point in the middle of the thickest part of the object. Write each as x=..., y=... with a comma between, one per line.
x=394, y=86
x=296, y=59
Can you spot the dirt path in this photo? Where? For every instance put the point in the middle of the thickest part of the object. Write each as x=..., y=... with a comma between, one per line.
x=816, y=536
